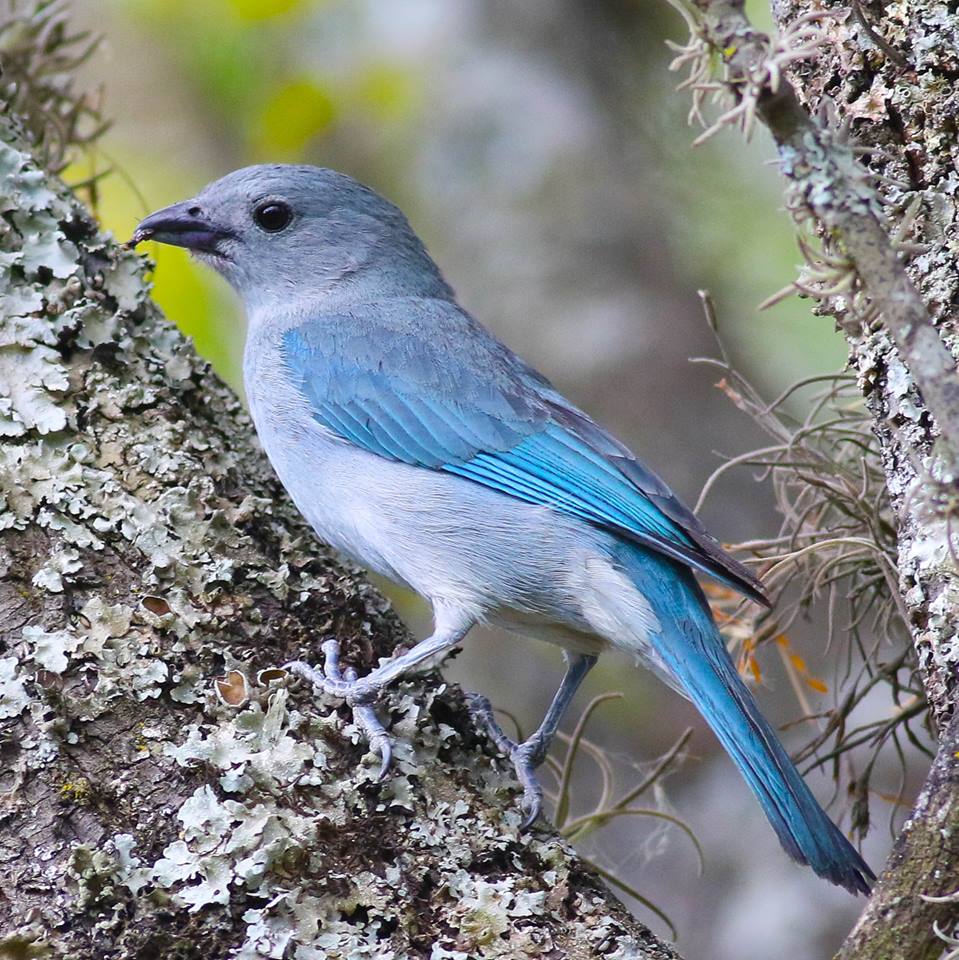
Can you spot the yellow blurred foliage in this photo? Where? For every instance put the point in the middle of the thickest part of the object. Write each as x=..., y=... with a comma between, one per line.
x=263, y=9
x=388, y=91
x=295, y=114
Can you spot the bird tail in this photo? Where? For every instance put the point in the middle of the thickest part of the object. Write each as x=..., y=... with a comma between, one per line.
x=691, y=648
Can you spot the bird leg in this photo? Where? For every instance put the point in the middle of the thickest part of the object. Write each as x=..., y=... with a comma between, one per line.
x=361, y=693
x=530, y=754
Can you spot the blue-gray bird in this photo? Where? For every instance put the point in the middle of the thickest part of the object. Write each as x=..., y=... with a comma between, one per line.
x=417, y=444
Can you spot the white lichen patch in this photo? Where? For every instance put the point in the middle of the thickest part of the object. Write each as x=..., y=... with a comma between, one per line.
x=908, y=75
x=51, y=650
x=14, y=698
x=56, y=572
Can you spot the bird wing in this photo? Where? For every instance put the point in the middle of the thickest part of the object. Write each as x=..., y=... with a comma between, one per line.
x=421, y=382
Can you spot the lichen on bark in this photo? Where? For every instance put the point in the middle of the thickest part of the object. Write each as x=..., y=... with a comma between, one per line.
x=145, y=549
x=889, y=73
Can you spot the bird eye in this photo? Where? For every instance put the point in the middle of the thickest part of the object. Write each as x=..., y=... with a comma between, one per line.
x=272, y=215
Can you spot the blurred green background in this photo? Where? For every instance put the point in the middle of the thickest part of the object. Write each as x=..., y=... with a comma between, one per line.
x=541, y=150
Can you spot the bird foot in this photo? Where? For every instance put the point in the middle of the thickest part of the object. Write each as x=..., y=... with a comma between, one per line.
x=358, y=694
x=525, y=756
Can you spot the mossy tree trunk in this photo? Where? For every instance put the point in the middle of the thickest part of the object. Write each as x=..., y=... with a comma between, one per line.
x=890, y=72
x=862, y=103
x=146, y=549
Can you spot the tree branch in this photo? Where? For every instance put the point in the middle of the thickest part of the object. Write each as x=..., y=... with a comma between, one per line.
x=919, y=891
x=824, y=177
x=906, y=370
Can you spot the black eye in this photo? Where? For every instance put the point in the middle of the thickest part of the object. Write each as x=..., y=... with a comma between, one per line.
x=272, y=215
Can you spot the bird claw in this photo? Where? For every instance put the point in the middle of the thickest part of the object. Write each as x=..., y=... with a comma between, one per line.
x=525, y=757
x=359, y=695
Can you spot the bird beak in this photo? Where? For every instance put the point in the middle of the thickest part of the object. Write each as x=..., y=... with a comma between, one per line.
x=182, y=225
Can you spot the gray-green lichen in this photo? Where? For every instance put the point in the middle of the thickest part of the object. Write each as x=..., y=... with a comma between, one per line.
x=145, y=550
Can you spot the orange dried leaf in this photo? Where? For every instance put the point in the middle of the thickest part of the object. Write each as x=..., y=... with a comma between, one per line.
x=747, y=661
x=798, y=663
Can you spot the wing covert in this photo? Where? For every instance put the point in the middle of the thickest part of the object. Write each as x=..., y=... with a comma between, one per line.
x=443, y=394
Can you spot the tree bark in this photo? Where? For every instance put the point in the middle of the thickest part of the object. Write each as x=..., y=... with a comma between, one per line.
x=145, y=549
x=889, y=79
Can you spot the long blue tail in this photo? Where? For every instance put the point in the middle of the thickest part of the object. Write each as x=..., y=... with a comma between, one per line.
x=693, y=650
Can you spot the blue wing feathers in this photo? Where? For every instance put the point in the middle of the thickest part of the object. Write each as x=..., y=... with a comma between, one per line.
x=342, y=422
x=443, y=394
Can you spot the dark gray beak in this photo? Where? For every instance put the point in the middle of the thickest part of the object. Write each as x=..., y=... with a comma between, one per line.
x=182, y=225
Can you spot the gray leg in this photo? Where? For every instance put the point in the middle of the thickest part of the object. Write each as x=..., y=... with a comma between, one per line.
x=360, y=693
x=529, y=754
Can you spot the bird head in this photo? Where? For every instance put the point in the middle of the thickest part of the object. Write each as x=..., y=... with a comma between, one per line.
x=282, y=234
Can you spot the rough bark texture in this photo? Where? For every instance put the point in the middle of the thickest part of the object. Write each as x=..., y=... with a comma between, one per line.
x=890, y=74
x=892, y=71
x=145, y=548
x=906, y=360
